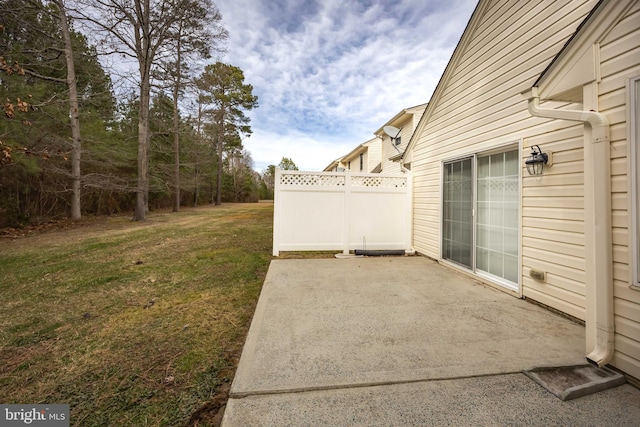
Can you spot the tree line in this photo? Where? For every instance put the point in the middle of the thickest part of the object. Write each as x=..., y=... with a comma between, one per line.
x=160, y=126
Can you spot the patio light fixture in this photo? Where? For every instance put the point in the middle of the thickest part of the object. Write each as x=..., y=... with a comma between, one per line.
x=536, y=161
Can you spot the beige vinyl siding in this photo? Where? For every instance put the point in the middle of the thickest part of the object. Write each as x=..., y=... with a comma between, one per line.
x=553, y=219
x=620, y=60
x=416, y=120
x=479, y=109
x=506, y=62
x=374, y=152
x=354, y=160
x=389, y=150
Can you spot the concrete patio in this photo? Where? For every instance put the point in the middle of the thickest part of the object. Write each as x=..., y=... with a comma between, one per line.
x=405, y=341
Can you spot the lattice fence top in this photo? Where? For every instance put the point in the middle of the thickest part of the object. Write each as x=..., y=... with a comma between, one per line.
x=379, y=181
x=311, y=179
x=328, y=180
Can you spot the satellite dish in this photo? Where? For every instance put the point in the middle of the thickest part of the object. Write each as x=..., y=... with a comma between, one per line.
x=392, y=131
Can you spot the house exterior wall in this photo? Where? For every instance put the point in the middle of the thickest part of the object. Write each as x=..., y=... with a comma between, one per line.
x=479, y=108
x=365, y=162
x=407, y=121
x=334, y=166
x=390, y=150
x=620, y=60
x=370, y=151
x=374, y=154
x=553, y=219
x=352, y=160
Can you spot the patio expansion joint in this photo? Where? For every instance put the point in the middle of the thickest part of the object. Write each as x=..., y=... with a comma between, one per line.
x=299, y=390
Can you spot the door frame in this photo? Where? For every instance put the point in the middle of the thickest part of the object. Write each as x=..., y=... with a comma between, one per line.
x=501, y=283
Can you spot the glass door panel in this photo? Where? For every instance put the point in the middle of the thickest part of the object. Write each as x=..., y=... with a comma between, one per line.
x=497, y=219
x=457, y=223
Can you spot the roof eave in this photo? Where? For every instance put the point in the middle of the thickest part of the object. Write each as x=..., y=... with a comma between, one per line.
x=475, y=17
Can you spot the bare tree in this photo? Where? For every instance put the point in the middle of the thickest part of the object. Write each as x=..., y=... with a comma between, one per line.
x=243, y=180
x=142, y=30
x=268, y=181
x=198, y=33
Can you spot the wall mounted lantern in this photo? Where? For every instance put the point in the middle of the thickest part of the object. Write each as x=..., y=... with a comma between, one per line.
x=536, y=161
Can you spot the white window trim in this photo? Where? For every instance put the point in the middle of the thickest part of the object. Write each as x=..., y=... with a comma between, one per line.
x=633, y=84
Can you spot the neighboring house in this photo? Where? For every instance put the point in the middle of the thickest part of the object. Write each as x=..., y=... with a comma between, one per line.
x=381, y=154
x=569, y=238
x=364, y=158
x=405, y=121
x=335, y=166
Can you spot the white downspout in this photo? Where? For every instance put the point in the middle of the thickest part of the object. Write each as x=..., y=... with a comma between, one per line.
x=409, y=219
x=597, y=224
x=412, y=250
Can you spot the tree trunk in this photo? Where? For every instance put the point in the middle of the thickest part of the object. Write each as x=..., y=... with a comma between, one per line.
x=143, y=151
x=195, y=187
x=197, y=164
x=144, y=62
x=176, y=129
x=220, y=147
x=176, y=153
x=74, y=113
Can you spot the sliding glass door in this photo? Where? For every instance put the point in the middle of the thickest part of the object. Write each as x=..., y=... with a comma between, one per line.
x=495, y=219
x=458, y=212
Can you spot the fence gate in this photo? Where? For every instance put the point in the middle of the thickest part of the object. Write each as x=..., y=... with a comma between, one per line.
x=341, y=211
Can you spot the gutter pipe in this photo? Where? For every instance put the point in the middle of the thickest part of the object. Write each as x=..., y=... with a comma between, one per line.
x=404, y=170
x=597, y=222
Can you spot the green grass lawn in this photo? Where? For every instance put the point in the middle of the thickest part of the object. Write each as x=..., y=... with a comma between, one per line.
x=132, y=323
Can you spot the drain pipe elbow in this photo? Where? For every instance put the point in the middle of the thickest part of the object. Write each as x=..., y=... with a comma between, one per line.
x=603, y=353
x=598, y=121
x=597, y=168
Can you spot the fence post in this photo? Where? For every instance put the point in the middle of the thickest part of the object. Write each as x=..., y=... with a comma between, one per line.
x=409, y=213
x=346, y=236
x=276, y=213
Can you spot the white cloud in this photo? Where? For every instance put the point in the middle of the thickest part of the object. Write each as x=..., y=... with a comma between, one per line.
x=268, y=148
x=329, y=73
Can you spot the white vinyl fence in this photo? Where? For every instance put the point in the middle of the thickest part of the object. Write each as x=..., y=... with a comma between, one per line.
x=341, y=211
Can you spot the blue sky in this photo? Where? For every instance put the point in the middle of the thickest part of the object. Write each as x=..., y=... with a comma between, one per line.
x=329, y=73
